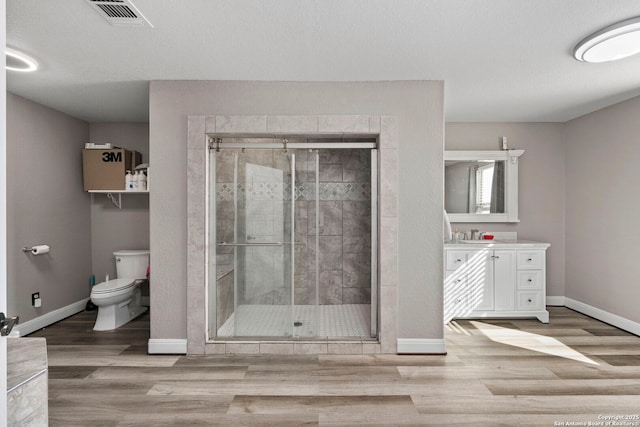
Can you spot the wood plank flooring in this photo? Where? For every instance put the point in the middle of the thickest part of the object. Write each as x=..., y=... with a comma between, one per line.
x=496, y=373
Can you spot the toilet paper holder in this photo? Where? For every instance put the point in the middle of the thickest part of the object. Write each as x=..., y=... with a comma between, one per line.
x=36, y=250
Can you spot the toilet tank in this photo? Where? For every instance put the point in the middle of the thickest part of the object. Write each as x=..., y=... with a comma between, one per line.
x=132, y=264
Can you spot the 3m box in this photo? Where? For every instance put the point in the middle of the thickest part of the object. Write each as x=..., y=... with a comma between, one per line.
x=105, y=169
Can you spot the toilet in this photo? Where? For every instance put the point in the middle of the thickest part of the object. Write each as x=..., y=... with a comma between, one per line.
x=118, y=300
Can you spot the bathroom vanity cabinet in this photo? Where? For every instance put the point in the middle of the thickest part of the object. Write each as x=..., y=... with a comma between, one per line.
x=495, y=279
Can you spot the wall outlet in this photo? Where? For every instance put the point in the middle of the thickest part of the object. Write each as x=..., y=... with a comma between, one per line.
x=36, y=301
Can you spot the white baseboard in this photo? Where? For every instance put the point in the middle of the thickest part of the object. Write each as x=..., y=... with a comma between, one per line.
x=605, y=316
x=167, y=346
x=50, y=318
x=556, y=301
x=421, y=346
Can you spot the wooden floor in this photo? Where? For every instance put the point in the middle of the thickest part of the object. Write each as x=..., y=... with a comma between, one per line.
x=503, y=372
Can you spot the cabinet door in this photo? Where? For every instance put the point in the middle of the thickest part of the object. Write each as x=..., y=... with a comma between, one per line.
x=504, y=279
x=480, y=280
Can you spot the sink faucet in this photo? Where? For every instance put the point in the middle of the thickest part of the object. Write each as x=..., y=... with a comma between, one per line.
x=474, y=234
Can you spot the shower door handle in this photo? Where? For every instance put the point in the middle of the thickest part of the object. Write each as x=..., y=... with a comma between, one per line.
x=251, y=244
x=260, y=243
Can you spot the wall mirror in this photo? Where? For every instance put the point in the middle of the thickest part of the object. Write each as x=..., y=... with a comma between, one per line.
x=481, y=186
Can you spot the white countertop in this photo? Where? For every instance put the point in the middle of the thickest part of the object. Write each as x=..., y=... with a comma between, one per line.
x=501, y=243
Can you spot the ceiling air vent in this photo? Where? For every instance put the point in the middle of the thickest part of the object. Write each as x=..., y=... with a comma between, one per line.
x=119, y=12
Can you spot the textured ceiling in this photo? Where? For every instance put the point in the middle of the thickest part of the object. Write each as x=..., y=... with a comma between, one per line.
x=501, y=60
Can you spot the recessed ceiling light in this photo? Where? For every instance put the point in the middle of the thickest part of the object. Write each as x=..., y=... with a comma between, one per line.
x=18, y=61
x=614, y=42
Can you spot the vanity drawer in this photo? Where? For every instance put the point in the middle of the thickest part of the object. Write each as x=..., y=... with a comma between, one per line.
x=455, y=288
x=455, y=259
x=529, y=300
x=530, y=260
x=456, y=295
x=529, y=279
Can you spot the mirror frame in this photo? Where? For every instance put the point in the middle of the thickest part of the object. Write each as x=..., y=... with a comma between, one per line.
x=510, y=157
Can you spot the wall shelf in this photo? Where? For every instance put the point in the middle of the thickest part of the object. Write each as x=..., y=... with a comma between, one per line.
x=111, y=194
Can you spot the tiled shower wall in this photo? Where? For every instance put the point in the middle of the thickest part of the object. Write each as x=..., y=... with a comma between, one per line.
x=345, y=221
x=344, y=231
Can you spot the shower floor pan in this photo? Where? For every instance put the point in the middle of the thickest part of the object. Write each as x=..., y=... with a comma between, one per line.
x=330, y=321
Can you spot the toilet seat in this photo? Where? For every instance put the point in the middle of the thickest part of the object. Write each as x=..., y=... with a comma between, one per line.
x=113, y=286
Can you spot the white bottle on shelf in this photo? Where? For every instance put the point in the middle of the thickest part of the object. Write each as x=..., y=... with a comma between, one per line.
x=134, y=182
x=127, y=181
x=142, y=181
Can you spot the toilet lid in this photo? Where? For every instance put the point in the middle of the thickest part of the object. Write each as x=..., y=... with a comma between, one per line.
x=127, y=252
x=113, y=285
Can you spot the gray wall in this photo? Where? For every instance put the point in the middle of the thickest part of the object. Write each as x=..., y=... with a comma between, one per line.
x=46, y=205
x=418, y=106
x=541, y=184
x=602, y=209
x=112, y=228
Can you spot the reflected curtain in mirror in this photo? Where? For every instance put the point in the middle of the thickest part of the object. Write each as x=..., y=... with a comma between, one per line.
x=497, y=189
x=471, y=188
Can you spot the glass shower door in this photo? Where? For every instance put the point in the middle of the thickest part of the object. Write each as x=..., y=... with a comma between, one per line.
x=258, y=205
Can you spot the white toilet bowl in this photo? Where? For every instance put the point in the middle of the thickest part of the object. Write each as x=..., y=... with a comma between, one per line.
x=118, y=300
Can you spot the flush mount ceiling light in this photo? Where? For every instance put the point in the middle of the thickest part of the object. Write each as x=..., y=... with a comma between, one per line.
x=18, y=61
x=614, y=42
